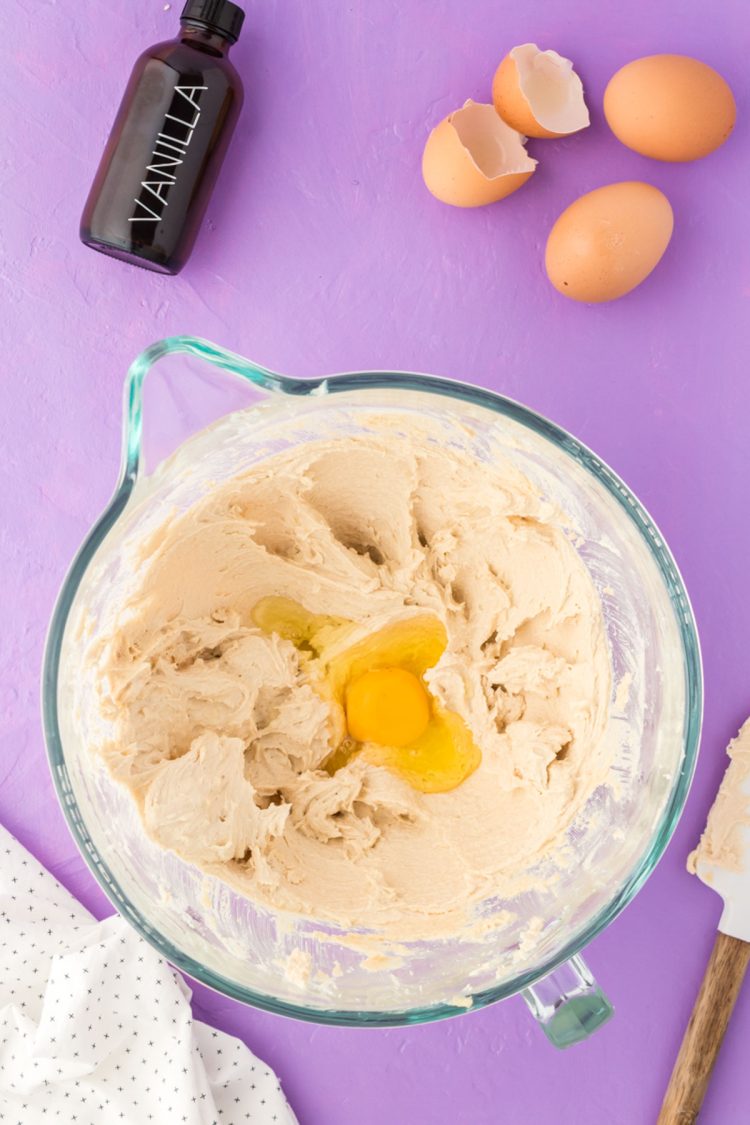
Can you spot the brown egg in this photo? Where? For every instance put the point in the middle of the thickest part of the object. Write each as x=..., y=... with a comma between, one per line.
x=472, y=158
x=669, y=107
x=538, y=93
x=608, y=241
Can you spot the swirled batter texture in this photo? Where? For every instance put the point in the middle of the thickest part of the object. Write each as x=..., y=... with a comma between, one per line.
x=224, y=731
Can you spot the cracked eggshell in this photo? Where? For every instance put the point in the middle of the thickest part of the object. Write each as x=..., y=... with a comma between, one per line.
x=608, y=241
x=539, y=94
x=472, y=158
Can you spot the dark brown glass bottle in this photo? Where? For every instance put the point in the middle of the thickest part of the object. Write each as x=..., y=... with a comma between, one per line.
x=167, y=143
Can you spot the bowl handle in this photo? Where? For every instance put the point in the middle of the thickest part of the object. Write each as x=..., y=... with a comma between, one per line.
x=250, y=379
x=568, y=1003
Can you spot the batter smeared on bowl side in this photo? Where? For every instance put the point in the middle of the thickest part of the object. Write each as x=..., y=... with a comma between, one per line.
x=366, y=682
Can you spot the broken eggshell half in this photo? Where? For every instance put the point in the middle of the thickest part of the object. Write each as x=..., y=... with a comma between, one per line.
x=539, y=94
x=472, y=158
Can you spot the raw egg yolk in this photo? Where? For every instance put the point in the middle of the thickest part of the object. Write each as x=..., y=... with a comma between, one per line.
x=388, y=706
x=392, y=720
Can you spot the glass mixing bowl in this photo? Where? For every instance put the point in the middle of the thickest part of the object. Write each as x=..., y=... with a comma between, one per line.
x=286, y=964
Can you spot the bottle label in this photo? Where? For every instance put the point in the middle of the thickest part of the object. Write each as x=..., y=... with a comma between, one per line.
x=168, y=154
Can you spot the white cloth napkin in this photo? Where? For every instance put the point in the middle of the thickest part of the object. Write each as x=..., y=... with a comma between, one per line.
x=96, y=1029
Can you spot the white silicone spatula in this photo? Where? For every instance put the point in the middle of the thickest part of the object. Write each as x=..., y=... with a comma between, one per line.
x=722, y=861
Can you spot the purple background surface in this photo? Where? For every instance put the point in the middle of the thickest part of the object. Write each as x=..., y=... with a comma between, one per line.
x=322, y=251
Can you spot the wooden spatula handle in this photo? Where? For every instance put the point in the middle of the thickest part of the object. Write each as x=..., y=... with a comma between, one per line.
x=705, y=1031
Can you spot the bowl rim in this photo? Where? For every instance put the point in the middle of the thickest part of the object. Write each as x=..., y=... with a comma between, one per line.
x=332, y=384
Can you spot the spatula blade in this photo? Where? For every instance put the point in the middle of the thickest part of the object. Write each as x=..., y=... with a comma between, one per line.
x=722, y=858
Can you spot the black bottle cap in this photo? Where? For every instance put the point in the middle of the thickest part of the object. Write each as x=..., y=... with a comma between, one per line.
x=217, y=15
